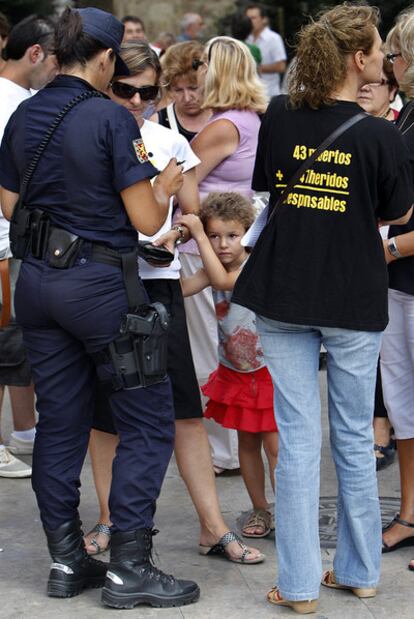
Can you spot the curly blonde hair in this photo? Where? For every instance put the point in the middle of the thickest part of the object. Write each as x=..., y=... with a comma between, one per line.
x=401, y=39
x=323, y=49
x=229, y=206
x=231, y=80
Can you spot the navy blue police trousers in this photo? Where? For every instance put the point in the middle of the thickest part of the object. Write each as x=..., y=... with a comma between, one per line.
x=67, y=315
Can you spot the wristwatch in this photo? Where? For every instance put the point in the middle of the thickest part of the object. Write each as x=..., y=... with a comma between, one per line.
x=392, y=248
x=180, y=231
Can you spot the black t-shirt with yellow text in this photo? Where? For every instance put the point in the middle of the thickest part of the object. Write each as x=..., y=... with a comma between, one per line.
x=320, y=261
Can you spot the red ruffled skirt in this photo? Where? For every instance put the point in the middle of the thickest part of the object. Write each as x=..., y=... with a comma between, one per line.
x=241, y=400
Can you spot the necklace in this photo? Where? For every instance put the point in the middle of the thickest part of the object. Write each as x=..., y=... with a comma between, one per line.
x=385, y=114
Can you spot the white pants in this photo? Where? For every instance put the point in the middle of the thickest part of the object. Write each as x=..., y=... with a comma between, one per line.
x=397, y=364
x=202, y=329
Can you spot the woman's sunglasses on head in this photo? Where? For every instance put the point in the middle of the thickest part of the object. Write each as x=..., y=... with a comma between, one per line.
x=126, y=91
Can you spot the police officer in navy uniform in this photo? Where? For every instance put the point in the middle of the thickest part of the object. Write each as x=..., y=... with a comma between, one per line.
x=88, y=195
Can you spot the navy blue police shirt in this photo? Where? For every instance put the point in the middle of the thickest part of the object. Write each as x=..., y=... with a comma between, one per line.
x=96, y=152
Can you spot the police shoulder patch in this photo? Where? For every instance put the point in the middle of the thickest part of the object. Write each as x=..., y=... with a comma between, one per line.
x=140, y=150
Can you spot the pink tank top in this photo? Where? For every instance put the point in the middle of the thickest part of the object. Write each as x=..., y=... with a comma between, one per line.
x=235, y=172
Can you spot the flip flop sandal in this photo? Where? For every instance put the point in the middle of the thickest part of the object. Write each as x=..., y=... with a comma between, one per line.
x=328, y=580
x=219, y=550
x=404, y=543
x=302, y=607
x=97, y=529
x=259, y=518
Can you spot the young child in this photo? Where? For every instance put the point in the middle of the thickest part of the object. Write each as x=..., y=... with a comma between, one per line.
x=240, y=390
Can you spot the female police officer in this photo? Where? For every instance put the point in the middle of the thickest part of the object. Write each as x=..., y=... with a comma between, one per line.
x=89, y=193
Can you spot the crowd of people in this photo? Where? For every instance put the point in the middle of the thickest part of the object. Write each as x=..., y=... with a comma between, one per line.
x=149, y=305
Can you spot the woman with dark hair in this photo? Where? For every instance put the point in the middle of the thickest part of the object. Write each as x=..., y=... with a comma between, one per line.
x=163, y=284
x=317, y=275
x=86, y=192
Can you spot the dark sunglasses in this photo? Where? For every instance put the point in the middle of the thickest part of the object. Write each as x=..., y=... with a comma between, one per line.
x=126, y=91
x=392, y=56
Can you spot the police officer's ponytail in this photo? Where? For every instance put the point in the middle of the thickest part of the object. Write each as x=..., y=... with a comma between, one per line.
x=72, y=45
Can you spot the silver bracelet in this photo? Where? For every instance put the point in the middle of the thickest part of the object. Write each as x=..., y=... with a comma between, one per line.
x=392, y=248
x=180, y=231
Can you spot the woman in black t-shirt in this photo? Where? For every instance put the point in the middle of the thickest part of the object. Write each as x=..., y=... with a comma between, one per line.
x=317, y=275
x=397, y=353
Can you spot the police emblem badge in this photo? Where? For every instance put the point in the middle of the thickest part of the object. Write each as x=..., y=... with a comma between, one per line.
x=140, y=150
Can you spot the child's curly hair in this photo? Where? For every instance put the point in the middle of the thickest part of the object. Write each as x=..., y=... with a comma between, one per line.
x=229, y=206
x=322, y=51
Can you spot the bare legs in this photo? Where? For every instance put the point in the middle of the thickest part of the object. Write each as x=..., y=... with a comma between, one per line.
x=193, y=457
x=382, y=429
x=405, y=450
x=252, y=467
x=22, y=405
x=102, y=447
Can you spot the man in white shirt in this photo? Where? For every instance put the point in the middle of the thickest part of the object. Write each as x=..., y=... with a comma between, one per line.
x=271, y=46
x=30, y=64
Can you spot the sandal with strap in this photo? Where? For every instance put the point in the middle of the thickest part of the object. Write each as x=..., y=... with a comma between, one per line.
x=408, y=541
x=258, y=518
x=391, y=523
x=98, y=529
x=219, y=550
x=387, y=456
x=328, y=580
x=302, y=607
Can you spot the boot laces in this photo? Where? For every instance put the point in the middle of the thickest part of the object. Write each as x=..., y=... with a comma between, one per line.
x=154, y=572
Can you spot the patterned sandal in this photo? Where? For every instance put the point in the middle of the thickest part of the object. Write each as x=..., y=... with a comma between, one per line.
x=98, y=529
x=302, y=607
x=258, y=518
x=219, y=550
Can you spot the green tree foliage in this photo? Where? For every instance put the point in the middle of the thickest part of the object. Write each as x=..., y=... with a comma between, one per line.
x=16, y=10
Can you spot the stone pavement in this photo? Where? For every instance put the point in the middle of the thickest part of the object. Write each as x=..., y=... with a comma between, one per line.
x=228, y=590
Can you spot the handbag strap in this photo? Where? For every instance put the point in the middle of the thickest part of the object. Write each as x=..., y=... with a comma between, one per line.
x=307, y=164
x=31, y=168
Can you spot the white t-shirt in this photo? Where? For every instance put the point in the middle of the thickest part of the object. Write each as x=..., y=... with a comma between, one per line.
x=11, y=95
x=161, y=145
x=273, y=50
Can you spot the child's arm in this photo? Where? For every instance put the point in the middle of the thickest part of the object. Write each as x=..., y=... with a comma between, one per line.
x=195, y=283
x=218, y=277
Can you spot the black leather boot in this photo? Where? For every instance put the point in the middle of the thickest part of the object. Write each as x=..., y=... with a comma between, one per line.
x=132, y=579
x=72, y=569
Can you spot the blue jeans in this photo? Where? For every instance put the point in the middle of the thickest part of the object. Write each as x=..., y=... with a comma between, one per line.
x=292, y=356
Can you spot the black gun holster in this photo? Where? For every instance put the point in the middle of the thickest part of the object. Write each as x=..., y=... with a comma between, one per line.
x=139, y=353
